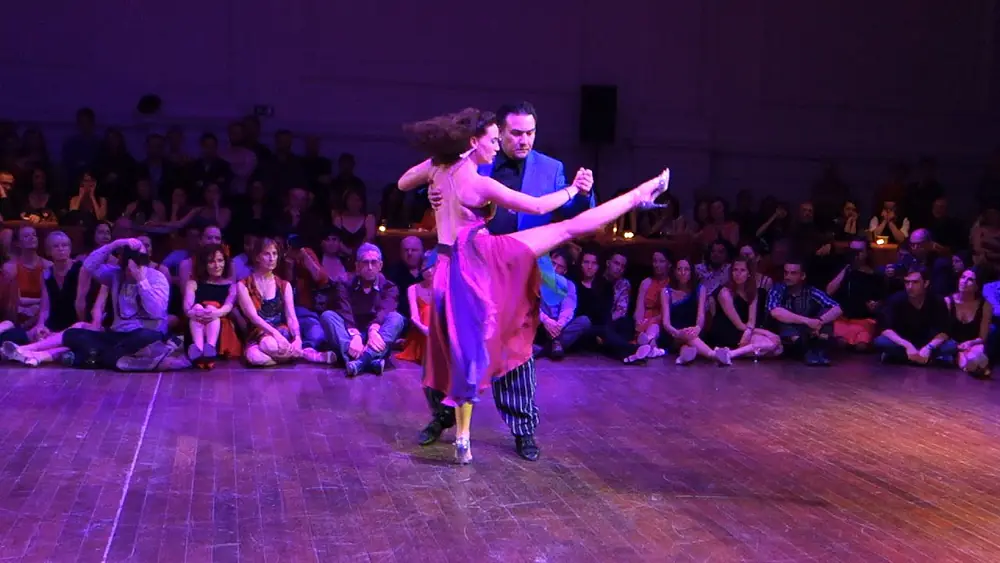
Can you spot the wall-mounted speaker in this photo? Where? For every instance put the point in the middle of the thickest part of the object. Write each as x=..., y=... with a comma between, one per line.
x=598, y=114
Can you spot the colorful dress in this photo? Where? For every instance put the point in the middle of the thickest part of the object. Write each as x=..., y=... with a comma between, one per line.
x=486, y=296
x=271, y=310
x=415, y=340
x=29, y=285
x=215, y=295
x=652, y=310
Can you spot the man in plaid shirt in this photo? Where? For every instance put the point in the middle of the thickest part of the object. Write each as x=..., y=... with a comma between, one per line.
x=804, y=315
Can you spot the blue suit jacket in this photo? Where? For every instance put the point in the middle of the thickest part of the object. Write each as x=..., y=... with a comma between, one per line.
x=544, y=175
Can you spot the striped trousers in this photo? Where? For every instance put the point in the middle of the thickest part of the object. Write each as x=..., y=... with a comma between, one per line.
x=513, y=395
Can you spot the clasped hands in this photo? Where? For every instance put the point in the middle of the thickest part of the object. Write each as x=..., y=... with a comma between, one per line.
x=921, y=356
x=204, y=314
x=375, y=343
x=552, y=327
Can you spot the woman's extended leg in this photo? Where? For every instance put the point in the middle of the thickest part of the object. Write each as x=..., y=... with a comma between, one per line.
x=543, y=239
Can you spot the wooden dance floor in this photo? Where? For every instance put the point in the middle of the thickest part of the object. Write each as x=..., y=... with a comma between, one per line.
x=769, y=462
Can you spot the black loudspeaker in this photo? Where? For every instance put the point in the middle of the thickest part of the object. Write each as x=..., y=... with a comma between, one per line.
x=598, y=114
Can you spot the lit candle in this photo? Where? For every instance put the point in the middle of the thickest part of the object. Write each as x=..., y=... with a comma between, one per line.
x=381, y=228
x=628, y=234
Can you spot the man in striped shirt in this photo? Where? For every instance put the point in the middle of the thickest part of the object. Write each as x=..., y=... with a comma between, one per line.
x=804, y=315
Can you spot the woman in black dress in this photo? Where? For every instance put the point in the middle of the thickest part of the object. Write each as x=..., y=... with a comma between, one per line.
x=970, y=322
x=683, y=306
x=734, y=328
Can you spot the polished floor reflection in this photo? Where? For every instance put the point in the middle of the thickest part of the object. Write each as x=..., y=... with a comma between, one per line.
x=766, y=462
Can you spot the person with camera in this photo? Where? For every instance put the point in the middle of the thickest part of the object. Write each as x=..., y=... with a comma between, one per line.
x=139, y=296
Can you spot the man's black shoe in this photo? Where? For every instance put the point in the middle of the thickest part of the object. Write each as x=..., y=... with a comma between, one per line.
x=527, y=448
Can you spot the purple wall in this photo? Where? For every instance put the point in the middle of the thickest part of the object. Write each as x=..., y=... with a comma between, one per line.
x=737, y=93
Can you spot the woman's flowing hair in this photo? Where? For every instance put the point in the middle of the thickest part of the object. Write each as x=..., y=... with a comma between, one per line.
x=446, y=137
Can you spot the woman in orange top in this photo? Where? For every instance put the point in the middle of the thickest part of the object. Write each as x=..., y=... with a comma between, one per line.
x=419, y=295
x=27, y=270
x=648, y=311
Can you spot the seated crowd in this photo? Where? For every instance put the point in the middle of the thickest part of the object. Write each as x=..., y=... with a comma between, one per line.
x=272, y=258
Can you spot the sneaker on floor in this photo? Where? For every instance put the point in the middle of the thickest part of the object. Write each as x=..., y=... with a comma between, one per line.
x=353, y=368
x=557, y=352
x=377, y=367
x=722, y=355
x=686, y=355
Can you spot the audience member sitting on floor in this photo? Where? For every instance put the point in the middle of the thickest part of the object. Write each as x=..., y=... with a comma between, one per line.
x=27, y=270
x=560, y=326
x=59, y=287
x=915, y=323
x=209, y=298
x=714, y=268
x=211, y=234
x=173, y=317
x=366, y=302
x=407, y=271
x=604, y=300
x=991, y=293
x=970, y=322
x=419, y=297
x=735, y=327
x=268, y=305
x=859, y=291
x=311, y=288
x=804, y=315
x=683, y=303
x=648, y=312
x=139, y=299
x=10, y=333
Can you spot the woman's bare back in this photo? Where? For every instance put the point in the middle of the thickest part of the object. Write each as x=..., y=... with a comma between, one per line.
x=461, y=205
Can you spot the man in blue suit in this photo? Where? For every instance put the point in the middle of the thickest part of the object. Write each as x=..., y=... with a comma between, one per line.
x=519, y=167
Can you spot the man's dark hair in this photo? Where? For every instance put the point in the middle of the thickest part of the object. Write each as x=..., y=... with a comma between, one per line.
x=520, y=108
x=796, y=260
x=919, y=270
x=591, y=251
x=725, y=244
x=564, y=254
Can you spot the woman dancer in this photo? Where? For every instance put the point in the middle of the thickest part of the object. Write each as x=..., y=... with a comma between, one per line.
x=472, y=337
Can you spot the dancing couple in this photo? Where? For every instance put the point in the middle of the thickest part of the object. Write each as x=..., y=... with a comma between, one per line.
x=487, y=288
